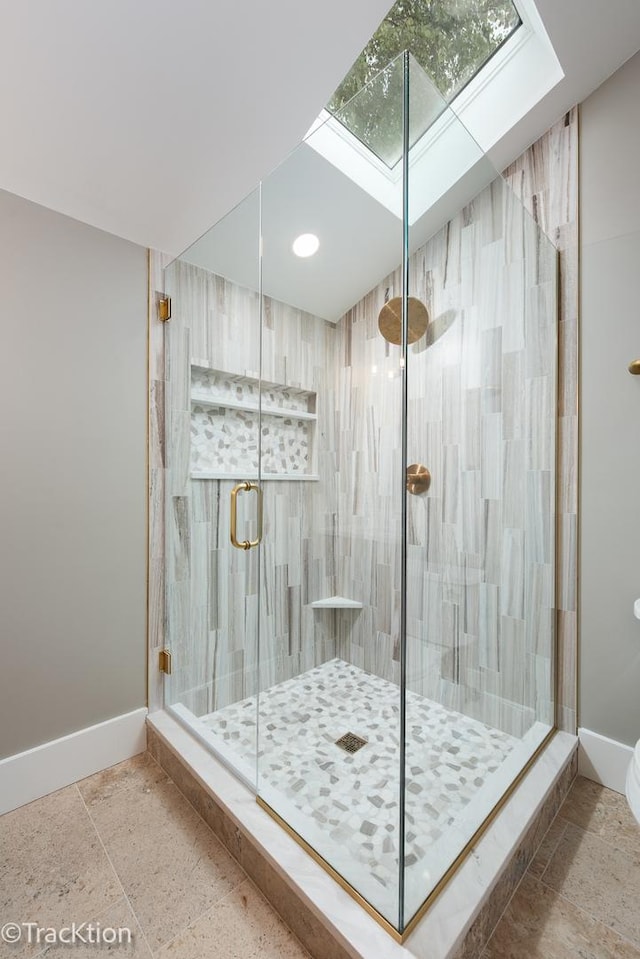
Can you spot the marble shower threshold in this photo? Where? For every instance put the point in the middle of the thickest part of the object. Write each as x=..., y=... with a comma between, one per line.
x=325, y=917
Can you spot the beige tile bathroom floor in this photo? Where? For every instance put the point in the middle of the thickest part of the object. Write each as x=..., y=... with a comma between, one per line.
x=580, y=898
x=124, y=848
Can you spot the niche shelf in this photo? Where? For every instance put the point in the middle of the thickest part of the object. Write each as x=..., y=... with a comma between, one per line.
x=226, y=415
x=203, y=400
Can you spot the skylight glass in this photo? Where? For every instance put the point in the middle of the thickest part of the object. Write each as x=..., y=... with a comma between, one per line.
x=374, y=115
x=450, y=39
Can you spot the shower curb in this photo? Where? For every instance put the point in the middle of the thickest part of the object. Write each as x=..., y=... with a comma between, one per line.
x=329, y=923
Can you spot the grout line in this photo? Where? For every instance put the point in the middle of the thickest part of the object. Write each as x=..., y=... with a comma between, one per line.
x=115, y=871
x=527, y=870
x=227, y=895
x=567, y=822
x=34, y=955
x=617, y=846
x=109, y=905
x=196, y=919
x=247, y=877
x=47, y=947
x=220, y=843
x=589, y=915
x=200, y=816
x=282, y=920
x=508, y=903
x=558, y=817
x=191, y=806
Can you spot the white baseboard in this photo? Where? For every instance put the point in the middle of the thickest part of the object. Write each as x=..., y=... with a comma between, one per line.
x=603, y=760
x=633, y=783
x=40, y=771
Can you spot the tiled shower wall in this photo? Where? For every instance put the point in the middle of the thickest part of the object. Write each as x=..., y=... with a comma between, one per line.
x=453, y=615
x=212, y=618
x=545, y=177
x=480, y=417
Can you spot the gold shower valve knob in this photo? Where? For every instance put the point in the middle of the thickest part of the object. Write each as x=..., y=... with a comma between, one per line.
x=418, y=479
x=634, y=367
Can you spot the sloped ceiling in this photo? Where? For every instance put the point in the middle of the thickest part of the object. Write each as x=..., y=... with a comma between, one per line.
x=152, y=118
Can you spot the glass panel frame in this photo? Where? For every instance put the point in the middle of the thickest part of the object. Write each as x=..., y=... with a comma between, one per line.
x=212, y=426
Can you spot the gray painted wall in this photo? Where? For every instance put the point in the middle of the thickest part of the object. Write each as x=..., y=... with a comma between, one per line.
x=72, y=475
x=610, y=407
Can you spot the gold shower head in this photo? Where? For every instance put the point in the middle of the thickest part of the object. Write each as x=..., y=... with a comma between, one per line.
x=390, y=320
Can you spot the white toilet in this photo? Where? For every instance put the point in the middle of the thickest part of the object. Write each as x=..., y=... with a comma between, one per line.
x=633, y=782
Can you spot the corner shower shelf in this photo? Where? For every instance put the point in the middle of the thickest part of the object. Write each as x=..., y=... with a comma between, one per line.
x=336, y=602
x=228, y=409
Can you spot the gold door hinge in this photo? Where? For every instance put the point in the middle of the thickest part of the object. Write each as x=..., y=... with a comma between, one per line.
x=164, y=308
x=164, y=661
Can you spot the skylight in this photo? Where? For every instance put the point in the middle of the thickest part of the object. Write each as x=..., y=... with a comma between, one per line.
x=447, y=135
x=451, y=40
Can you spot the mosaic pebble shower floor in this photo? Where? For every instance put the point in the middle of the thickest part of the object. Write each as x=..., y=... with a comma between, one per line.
x=352, y=800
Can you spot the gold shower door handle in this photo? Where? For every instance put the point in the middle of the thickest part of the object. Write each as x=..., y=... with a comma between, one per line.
x=244, y=487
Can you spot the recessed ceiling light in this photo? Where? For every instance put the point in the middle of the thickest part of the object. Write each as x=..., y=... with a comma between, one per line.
x=306, y=244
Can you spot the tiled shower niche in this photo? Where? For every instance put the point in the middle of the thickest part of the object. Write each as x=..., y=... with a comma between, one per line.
x=237, y=419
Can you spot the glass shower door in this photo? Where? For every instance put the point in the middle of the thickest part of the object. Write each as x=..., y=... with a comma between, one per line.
x=213, y=498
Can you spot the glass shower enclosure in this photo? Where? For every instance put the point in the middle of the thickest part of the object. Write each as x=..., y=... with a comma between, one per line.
x=360, y=513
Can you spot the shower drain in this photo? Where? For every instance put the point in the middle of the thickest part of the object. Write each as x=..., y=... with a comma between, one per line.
x=351, y=743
